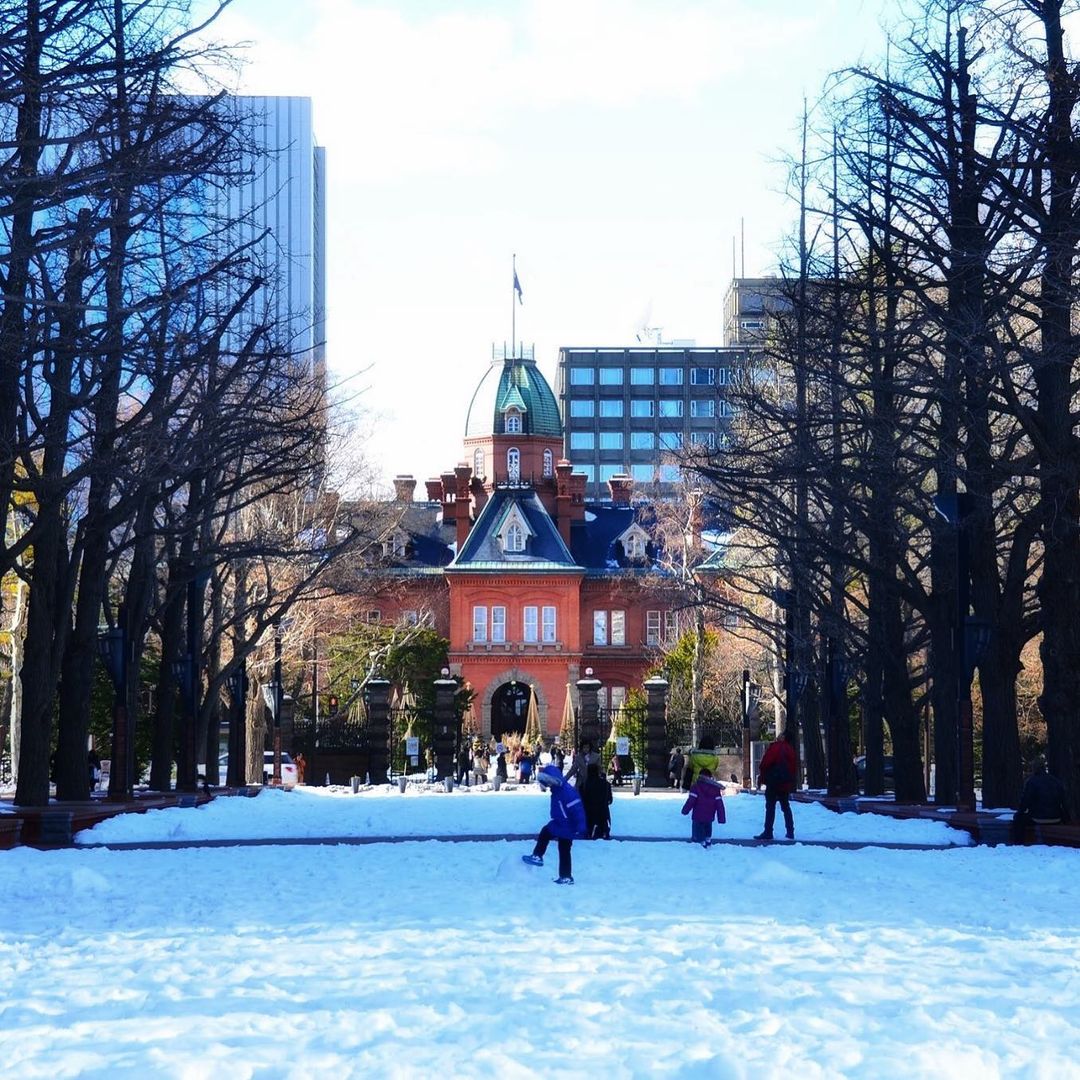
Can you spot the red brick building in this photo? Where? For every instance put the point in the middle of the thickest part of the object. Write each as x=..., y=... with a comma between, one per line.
x=531, y=584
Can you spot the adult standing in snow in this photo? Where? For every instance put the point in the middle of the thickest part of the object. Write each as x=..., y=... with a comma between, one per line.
x=779, y=768
x=1042, y=802
x=675, y=767
x=585, y=757
x=597, y=799
x=704, y=757
x=567, y=821
x=704, y=803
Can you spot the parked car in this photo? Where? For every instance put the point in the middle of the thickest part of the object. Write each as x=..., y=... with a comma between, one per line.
x=860, y=769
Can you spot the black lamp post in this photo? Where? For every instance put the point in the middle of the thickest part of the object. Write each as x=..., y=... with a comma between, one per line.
x=113, y=650
x=238, y=688
x=751, y=696
x=184, y=672
x=837, y=675
x=275, y=780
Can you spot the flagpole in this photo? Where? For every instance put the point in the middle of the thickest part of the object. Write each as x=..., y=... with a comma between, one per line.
x=513, y=307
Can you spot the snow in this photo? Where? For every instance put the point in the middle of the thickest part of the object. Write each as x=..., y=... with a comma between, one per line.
x=419, y=957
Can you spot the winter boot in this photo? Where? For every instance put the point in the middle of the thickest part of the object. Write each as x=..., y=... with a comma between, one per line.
x=532, y=860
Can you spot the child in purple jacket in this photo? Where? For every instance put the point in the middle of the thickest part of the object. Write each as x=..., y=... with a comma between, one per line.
x=705, y=801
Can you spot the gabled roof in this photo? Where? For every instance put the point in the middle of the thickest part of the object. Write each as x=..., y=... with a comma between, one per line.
x=544, y=550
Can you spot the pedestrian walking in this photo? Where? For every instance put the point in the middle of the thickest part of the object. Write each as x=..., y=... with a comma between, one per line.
x=704, y=804
x=779, y=768
x=675, y=767
x=567, y=821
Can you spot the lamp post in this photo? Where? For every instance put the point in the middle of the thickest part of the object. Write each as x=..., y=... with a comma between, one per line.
x=751, y=696
x=970, y=641
x=275, y=779
x=113, y=650
x=238, y=688
x=184, y=672
x=837, y=675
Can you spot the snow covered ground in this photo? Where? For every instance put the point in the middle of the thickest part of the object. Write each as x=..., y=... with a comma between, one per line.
x=422, y=957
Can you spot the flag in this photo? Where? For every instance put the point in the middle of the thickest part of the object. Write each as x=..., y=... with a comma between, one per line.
x=517, y=289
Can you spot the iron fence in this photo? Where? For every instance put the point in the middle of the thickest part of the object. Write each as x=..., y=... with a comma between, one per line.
x=725, y=733
x=629, y=722
x=420, y=723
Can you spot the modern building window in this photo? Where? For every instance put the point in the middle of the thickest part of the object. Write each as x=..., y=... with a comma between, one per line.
x=582, y=407
x=582, y=376
x=670, y=474
x=608, y=471
x=643, y=474
x=707, y=439
x=478, y=462
x=670, y=440
x=547, y=626
x=611, y=440
x=726, y=408
x=513, y=464
x=582, y=440
x=751, y=324
x=642, y=376
x=641, y=406
x=549, y=464
x=723, y=376
x=642, y=440
x=515, y=538
x=498, y=625
x=701, y=407
x=671, y=376
x=611, y=376
x=671, y=407
x=479, y=624
x=530, y=625
x=702, y=376
x=611, y=407
x=589, y=472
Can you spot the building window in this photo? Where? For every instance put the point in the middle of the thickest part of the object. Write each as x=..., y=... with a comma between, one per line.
x=652, y=628
x=512, y=423
x=723, y=376
x=670, y=440
x=582, y=407
x=609, y=627
x=513, y=464
x=610, y=440
x=643, y=474
x=611, y=407
x=703, y=407
x=582, y=440
x=478, y=462
x=479, y=624
x=653, y=623
x=642, y=440
x=702, y=376
x=670, y=474
x=410, y=618
x=498, y=625
x=634, y=546
x=548, y=624
x=549, y=464
x=608, y=471
x=707, y=439
x=726, y=409
x=610, y=376
x=671, y=407
x=671, y=627
x=515, y=538
x=751, y=324
x=671, y=376
x=530, y=625
x=618, y=697
x=582, y=376
x=642, y=376
x=589, y=472
x=641, y=407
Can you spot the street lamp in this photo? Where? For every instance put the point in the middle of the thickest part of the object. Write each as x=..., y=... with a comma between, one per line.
x=238, y=688
x=112, y=648
x=838, y=674
x=275, y=779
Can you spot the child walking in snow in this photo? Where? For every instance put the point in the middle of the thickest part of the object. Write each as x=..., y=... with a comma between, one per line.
x=705, y=802
x=567, y=821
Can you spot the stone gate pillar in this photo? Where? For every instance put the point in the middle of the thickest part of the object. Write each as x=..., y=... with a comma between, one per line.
x=377, y=694
x=445, y=727
x=656, y=747
x=589, y=710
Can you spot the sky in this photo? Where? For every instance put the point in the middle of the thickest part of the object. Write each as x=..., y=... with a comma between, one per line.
x=424, y=958
x=617, y=147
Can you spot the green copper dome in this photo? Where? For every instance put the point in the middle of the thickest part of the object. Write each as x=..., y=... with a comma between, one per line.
x=513, y=383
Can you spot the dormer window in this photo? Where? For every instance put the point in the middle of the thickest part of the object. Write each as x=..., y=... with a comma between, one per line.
x=395, y=546
x=515, y=538
x=514, y=533
x=549, y=464
x=634, y=542
x=512, y=422
x=513, y=464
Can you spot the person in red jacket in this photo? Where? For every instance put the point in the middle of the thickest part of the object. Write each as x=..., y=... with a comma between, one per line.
x=778, y=771
x=705, y=802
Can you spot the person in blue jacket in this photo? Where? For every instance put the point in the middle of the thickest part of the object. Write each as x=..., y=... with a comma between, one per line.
x=567, y=821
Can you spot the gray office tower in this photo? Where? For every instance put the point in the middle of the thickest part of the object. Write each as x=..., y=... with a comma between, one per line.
x=280, y=206
x=634, y=410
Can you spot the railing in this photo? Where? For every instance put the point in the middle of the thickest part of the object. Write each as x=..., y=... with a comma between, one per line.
x=506, y=352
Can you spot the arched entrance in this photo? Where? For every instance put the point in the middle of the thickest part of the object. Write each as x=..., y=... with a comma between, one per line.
x=509, y=709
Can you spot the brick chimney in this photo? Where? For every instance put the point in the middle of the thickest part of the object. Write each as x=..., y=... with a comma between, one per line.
x=621, y=487
x=462, y=475
x=434, y=489
x=449, y=491
x=404, y=486
x=569, y=498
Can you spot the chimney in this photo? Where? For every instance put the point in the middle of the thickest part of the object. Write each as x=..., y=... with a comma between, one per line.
x=404, y=486
x=449, y=490
x=621, y=487
x=462, y=474
x=569, y=498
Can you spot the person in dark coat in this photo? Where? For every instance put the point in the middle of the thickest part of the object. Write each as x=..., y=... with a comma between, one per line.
x=500, y=767
x=675, y=767
x=567, y=821
x=597, y=799
x=779, y=769
x=704, y=804
x=1042, y=802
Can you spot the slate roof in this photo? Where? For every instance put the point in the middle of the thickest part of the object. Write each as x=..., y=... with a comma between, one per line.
x=517, y=382
x=544, y=549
